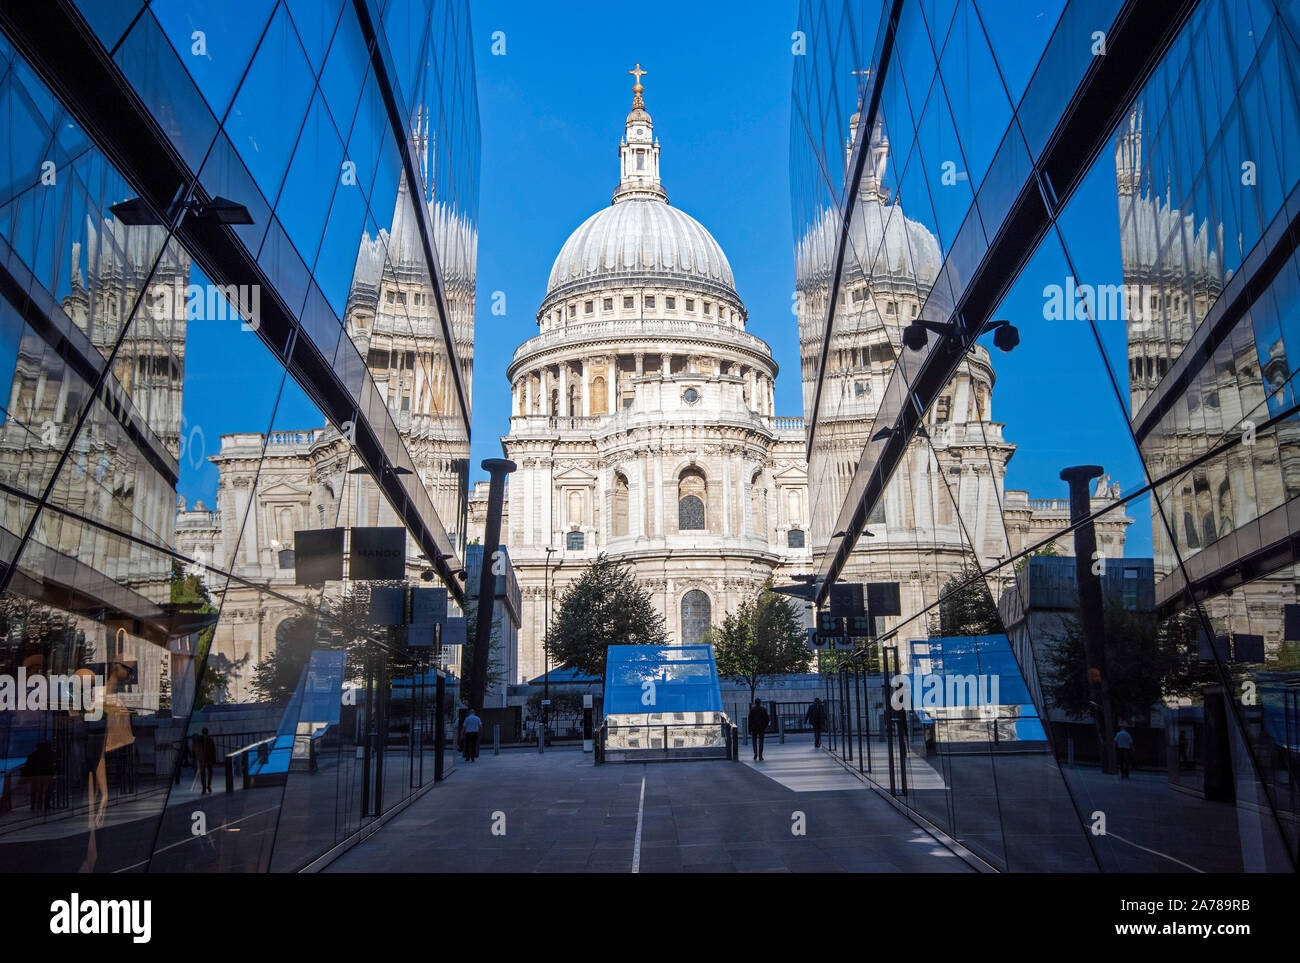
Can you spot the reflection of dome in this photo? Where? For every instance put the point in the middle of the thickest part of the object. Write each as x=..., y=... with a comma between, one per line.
x=455, y=241
x=642, y=238
x=881, y=237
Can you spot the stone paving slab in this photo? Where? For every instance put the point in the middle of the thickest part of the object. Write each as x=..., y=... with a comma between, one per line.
x=560, y=813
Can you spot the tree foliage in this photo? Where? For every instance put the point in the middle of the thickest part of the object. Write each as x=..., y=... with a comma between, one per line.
x=604, y=606
x=344, y=624
x=966, y=607
x=1147, y=660
x=765, y=637
x=189, y=595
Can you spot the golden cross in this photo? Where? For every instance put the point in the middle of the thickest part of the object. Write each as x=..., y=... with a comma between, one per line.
x=638, y=73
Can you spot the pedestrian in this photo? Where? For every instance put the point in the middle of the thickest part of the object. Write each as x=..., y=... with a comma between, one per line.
x=470, y=727
x=816, y=717
x=1124, y=750
x=205, y=758
x=757, y=728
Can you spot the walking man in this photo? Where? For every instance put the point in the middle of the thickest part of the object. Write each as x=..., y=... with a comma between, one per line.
x=1124, y=751
x=471, y=727
x=757, y=728
x=205, y=759
x=816, y=717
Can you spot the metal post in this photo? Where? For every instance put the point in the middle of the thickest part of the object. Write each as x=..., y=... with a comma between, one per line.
x=1091, y=615
x=541, y=734
x=857, y=707
x=496, y=739
x=780, y=728
x=367, y=745
x=439, y=736
x=381, y=725
x=888, y=716
x=497, y=468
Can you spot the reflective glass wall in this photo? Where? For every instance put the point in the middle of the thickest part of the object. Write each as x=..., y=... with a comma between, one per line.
x=1092, y=662
x=264, y=332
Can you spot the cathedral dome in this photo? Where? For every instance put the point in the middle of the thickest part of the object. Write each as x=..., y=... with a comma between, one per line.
x=645, y=239
x=891, y=244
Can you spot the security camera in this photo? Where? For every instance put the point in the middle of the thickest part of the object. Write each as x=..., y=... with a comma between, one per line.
x=1006, y=337
x=915, y=337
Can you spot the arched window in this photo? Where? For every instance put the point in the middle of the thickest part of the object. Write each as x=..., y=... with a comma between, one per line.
x=599, y=396
x=696, y=616
x=620, y=506
x=757, y=504
x=574, y=541
x=794, y=538
x=691, y=494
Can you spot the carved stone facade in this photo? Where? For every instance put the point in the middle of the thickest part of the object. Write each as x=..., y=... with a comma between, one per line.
x=643, y=426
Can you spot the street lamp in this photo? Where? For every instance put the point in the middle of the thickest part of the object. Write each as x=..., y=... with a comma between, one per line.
x=546, y=639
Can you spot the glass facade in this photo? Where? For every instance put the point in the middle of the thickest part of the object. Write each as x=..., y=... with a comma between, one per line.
x=1100, y=675
x=238, y=282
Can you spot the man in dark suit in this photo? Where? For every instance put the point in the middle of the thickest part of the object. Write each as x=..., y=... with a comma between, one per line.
x=816, y=717
x=757, y=728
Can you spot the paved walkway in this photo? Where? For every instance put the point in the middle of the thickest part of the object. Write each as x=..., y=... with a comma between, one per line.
x=522, y=812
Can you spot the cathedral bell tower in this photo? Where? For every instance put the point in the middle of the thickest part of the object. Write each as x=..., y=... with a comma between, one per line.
x=638, y=152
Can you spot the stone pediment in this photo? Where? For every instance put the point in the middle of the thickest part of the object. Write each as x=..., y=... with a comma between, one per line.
x=574, y=476
x=282, y=490
x=791, y=473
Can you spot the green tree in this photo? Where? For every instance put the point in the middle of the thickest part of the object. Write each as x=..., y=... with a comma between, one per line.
x=189, y=596
x=765, y=637
x=276, y=676
x=604, y=606
x=1048, y=550
x=966, y=607
x=1147, y=660
x=343, y=622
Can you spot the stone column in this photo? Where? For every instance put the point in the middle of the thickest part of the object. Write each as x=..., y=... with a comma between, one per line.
x=611, y=384
x=658, y=521
x=667, y=361
x=584, y=395
x=726, y=493
x=640, y=364
x=561, y=406
x=643, y=499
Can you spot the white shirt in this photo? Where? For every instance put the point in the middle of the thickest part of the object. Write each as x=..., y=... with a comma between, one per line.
x=473, y=723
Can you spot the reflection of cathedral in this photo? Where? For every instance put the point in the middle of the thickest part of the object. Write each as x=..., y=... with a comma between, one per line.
x=946, y=506
x=131, y=436
x=1174, y=272
x=275, y=484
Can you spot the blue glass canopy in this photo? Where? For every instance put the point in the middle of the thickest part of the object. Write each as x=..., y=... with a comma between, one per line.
x=661, y=678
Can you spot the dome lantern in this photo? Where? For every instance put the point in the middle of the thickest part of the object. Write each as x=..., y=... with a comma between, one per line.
x=638, y=152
